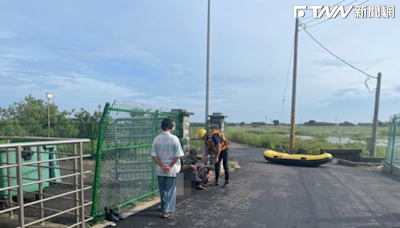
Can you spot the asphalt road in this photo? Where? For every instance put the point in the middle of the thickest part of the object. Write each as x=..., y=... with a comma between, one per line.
x=267, y=195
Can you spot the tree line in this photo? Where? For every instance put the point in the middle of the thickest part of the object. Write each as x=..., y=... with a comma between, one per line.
x=28, y=117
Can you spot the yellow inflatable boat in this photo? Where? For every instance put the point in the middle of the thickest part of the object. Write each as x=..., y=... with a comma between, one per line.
x=297, y=159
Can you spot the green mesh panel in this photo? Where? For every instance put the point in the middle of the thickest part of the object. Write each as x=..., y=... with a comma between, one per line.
x=392, y=158
x=125, y=170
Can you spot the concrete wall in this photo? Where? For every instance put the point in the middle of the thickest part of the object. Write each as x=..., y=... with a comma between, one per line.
x=183, y=128
x=186, y=134
x=371, y=160
x=353, y=155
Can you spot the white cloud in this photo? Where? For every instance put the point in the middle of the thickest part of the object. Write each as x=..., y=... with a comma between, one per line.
x=91, y=88
x=73, y=91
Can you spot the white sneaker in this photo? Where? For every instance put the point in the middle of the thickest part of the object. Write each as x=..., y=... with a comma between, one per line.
x=165, y=214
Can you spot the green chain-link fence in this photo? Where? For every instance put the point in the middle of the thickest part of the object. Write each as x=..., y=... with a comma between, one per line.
x=89, y=130
x=125, y=170
x=392, y=159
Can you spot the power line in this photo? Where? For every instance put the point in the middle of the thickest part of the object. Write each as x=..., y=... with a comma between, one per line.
x=366, y=85
x=336, y=55
x=330, y=18
x=364, y=2
x=329, y=7
x=368, y=76
x=287, y=79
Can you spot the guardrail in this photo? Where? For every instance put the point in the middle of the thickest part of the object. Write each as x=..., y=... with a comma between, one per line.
x=14, y=160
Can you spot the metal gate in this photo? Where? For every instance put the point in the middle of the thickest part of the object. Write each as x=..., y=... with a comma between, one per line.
x=125, y=170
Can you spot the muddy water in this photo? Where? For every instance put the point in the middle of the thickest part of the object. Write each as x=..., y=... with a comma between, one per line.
x=342, y=140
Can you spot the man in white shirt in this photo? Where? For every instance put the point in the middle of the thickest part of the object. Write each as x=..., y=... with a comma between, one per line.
x=166, y=151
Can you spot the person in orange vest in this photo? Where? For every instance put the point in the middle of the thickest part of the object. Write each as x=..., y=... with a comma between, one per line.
x=217, y=143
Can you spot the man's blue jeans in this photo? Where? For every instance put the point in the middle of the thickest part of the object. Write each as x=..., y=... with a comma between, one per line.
x=167, y=187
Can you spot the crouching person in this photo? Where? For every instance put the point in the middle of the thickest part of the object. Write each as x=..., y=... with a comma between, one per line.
x=201, y=174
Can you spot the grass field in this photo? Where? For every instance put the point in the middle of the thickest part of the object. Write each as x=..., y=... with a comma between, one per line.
x=310, y=139
x=353, y=132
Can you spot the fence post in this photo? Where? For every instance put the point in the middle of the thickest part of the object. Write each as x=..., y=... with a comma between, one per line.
x=76, y=183
x=154, y=166
x=81, y=186
x=96, y=185
x=20, y=193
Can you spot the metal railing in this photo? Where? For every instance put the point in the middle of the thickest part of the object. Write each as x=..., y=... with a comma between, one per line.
x=14, y=160
x=67, y=129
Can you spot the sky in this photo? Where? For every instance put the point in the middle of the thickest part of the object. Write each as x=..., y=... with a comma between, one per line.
x=90, y=52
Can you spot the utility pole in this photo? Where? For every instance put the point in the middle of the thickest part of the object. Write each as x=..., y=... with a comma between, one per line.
x=376, y=113
x=208, y=67
x=293, y=113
